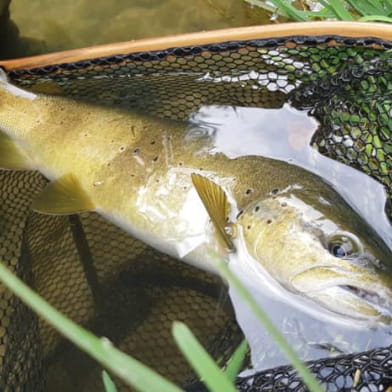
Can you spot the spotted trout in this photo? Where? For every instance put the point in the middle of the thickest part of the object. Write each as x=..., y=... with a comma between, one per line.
x=165, y=184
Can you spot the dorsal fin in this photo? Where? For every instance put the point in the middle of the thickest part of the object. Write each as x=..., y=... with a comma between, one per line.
x=63, y=196
x=215, y=201
x=11, y=156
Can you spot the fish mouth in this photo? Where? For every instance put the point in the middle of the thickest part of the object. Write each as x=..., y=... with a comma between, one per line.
x=382, y=304
x=365, y=294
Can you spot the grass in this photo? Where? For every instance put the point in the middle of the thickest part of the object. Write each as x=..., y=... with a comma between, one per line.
x=349, y=10
x=108, y=383
x=131, y=371
x=278, y=338
x=139, y=376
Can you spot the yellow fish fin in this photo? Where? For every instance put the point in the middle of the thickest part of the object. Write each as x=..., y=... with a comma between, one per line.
x=215, y=201
x=11, y=156
x=63, y=196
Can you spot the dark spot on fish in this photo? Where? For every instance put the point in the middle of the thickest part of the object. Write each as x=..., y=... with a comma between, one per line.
x=132, y=175
x=248, y=227
x=284, y=204
x=122, y=148
x=153, y=142
x=180, y=163
x=108, y=164
x=112, y=141
x=248, y=191
x=227, y=218
x=155, y=158
x=185, y=188
x=157, y=181
x=201, y=169
x=275, y=191
x=269, y=221
x=239, y=214
x=136, y=150
x=257, y=208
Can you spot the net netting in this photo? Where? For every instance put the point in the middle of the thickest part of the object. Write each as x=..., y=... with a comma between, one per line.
x=95, y=273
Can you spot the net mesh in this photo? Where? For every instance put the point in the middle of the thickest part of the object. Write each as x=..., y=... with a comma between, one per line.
x=347, y=84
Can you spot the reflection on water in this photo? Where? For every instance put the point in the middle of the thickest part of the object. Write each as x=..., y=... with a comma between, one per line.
x=285, y=134
x=65, y=25
x=279, y=133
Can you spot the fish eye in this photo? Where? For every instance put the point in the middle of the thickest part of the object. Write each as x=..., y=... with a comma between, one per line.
x=338, y=251
x=342, y=246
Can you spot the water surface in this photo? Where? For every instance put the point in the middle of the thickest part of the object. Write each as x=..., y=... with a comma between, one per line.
x=278, y=133
x=59, y=25
x=285, y=134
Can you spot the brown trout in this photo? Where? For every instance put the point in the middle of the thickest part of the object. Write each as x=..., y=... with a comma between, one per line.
x=166, y=186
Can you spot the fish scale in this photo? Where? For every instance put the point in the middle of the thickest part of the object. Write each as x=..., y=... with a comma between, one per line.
x=159, y=197
x=159, y=95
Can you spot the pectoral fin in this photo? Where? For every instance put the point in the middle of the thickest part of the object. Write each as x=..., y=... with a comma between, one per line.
x=11, y=156
x=215, y=201
x=63, y=196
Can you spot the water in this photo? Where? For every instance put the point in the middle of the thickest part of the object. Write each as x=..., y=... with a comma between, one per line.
x=285, y=134
x=279, y=133
x=59, y=25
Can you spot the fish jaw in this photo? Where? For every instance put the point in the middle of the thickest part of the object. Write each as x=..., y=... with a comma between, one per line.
x=350, y=291
x=292, y=247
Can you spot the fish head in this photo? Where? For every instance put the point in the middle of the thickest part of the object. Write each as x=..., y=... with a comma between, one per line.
x=322, y=250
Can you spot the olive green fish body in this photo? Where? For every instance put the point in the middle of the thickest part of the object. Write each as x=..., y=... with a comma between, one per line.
x=157, y=179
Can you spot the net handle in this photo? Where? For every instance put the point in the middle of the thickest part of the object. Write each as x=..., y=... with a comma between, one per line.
x=344, y=29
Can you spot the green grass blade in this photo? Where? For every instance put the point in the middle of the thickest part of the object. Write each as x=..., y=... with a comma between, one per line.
x=108, y=383
x=387, y=4
x=375, y=18
x=278, y=338
x=338, y=8
x=364, y=8
x=383, y=7
x=127, y=368
x=200, y=360
x=322, y=14
x=370, y=10
x=236, y=361
x=290, y=10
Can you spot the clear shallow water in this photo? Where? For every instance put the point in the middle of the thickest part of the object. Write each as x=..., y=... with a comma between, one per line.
x=285, y=134
x=59, y=25
x=282, y=134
